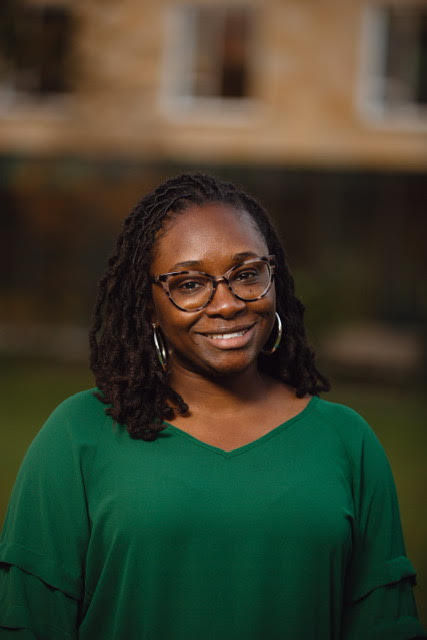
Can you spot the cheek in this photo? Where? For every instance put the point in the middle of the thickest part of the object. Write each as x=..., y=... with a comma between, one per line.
x=160, y=305
x=173, y=322
x=268, y=307
x=268, y=304
x=272, y=293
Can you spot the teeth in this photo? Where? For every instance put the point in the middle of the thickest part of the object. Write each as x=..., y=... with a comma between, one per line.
x=227, y=336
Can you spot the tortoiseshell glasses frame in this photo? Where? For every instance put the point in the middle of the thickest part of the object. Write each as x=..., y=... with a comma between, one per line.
x=164, y=278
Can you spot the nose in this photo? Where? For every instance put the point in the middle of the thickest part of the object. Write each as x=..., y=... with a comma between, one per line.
x=224, y=302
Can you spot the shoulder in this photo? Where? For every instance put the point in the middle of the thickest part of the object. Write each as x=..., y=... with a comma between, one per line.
x=357, y=436
x=73, y=427
x=79, y=412
x=363, y=449
x=341, y=417
x=80, y=405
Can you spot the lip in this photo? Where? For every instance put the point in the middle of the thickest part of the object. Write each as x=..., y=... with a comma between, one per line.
x=235, y=342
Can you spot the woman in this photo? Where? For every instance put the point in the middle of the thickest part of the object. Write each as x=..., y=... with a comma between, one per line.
x=205, y=490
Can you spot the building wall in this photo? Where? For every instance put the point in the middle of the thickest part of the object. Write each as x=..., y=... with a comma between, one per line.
x=307, y=62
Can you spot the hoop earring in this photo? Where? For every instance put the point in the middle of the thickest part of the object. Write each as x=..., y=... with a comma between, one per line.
x=269, y=352
x=160, y=346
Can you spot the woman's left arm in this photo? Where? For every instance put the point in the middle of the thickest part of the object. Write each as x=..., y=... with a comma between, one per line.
x=379, y=602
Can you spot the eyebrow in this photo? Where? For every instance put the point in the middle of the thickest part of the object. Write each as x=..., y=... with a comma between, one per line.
x=196, y=263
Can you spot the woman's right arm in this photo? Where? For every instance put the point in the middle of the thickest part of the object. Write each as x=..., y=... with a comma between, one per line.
x=47, y=527
x=31, y=609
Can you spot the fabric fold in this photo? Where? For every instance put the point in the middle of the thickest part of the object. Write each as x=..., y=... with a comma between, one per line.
x=41, y=567
x=16, y=634
x=390, y=572
x=24, y=596
x=406, y=628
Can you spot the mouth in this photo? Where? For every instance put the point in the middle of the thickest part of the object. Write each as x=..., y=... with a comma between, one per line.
x=227, y=336
x=230, y=338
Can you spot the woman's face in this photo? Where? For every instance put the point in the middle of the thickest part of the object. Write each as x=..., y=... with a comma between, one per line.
x=213, y=237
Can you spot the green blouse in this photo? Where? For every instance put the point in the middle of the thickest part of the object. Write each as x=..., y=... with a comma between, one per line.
x=293, y=536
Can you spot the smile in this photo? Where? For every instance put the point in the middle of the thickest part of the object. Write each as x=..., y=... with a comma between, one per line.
x=230, y=339
x=227, y=336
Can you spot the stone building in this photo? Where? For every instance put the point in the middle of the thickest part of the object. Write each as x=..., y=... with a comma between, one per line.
x=288, y=82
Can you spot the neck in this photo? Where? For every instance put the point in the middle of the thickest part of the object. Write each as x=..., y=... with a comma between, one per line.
x=228, y=392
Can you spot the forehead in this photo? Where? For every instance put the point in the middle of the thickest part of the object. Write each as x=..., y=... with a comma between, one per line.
x=210, y=234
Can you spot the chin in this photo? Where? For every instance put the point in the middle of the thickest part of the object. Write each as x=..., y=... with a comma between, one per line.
x=224, y=368
x=218, y=365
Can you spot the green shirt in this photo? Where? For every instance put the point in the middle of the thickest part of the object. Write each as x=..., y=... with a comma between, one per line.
x=293, y=536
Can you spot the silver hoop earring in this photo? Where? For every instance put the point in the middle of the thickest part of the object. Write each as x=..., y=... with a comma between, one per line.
x=269, y=352
x=160, y=346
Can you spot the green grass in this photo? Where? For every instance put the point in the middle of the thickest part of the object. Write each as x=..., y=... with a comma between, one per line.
x=30, y=390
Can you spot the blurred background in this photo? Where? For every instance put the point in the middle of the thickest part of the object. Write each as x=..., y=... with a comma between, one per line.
x=317, y=107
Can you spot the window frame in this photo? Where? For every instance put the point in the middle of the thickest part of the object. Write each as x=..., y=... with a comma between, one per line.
x=13, y=98
x=181, y=105
x=371, y=87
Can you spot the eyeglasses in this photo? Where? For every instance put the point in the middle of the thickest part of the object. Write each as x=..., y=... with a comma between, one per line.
x=193, y=290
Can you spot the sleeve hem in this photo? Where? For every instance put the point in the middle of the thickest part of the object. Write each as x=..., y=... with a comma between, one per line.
x=390, y=572
x=402, y=629
x=16, y=618
x=43, y=568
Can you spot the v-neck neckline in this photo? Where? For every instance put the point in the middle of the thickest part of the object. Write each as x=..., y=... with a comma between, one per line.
x=249, y=445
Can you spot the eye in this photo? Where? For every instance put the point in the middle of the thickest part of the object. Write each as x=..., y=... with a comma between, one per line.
x=190, y=285
x=247, y=274
x=187, y=285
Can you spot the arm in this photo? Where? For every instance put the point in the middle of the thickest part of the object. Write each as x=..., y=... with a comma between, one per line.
x=46, y=532
x=379, y=603
x=23, y=597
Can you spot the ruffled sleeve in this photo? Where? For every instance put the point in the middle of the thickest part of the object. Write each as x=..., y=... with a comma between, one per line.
x=47, y=527
x=379, y=602
x=24, y=597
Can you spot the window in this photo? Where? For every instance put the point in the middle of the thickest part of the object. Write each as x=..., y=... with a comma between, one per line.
x=210, y=53
x=34, y=54
x=405, y=60
x=395, y=68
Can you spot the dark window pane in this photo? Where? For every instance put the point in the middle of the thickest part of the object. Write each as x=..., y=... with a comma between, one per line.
x=405, y=63
x=422, y=63
x=220, y=62
x=37, y=49
x=234, y=77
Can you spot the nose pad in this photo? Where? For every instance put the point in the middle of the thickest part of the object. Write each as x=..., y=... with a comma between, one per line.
x=224, y=300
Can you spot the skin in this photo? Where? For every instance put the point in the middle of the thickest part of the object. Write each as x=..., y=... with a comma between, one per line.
x=231, y=401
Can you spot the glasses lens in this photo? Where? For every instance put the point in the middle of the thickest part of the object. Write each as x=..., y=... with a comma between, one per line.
x=251, y=280
x=190, y=291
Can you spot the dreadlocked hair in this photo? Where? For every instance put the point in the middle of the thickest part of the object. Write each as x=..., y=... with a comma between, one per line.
x=123, y=359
